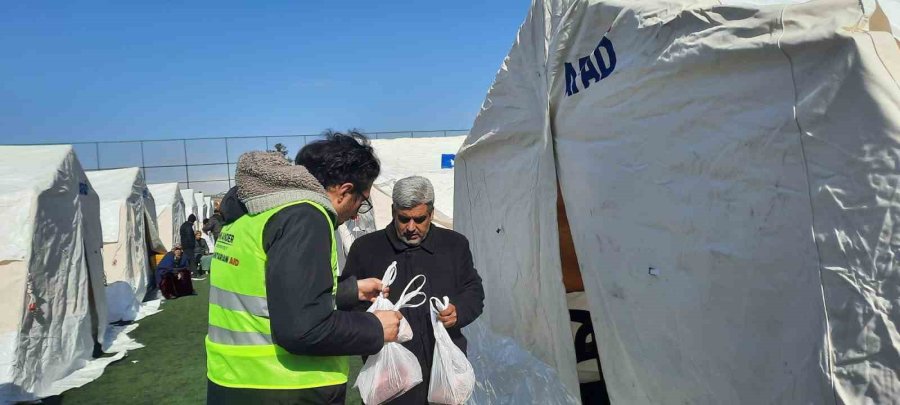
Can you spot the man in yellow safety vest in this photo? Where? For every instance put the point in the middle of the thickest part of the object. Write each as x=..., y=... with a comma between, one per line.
x=277, y=331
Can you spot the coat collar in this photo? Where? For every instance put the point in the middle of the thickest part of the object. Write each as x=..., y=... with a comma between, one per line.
x=427, y=245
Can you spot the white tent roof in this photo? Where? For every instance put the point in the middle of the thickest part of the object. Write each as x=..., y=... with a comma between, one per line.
x=730, y=177
x=398, y=162
x=50, y=243
x=22, y=180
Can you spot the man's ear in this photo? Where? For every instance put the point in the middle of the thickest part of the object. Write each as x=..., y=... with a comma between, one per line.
x=346, y=188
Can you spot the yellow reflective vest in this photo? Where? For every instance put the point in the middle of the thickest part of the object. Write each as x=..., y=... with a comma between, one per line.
x=240, y=352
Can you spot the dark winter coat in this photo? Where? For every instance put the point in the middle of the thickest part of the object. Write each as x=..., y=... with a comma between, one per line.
x=188, y=239
x=446, y=261
x=214, y=226
x=298, y=289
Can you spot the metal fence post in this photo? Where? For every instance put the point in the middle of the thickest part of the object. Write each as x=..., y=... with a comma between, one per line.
x=187, y=172
x=143, y=165
x=228, y=163
x=97, y=150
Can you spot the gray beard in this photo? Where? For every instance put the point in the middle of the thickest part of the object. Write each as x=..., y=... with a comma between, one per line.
x=410, y=242
x=416, y=242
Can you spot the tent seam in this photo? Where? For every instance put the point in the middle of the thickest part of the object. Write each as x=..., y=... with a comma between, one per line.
x=801, y=134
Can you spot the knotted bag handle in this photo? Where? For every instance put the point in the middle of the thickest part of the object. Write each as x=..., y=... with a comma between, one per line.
x=407, y=296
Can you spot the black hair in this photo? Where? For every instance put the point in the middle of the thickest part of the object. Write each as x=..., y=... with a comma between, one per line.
x=192, y=218
x=341, y=158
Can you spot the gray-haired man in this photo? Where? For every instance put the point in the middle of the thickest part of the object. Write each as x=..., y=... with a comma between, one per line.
x=419, y=247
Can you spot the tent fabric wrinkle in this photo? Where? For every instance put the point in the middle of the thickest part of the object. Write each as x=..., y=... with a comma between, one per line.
x=730, y=175
x=170, y=211
x=54, y=307
x=130, y=235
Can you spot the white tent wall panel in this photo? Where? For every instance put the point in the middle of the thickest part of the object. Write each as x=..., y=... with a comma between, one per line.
x=190, y=207
x=687, y=158
x=50, y=320
x=734, y=204
x=851, y=116
x=200, y=203
x=60, y=294
x=13, y=284
x=169, y=211
x=505, y=203
x=151, y=223
x=210, y=209
x=397, y=162
x=167, y=228
x=128, y=206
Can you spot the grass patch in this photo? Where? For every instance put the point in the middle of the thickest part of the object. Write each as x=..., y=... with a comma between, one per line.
x=171, y=369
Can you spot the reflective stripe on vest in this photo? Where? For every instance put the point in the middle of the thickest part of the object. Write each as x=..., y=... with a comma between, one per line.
x=239, y=345
x=258, y=306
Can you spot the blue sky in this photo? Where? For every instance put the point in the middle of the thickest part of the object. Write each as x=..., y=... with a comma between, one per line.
x=94, y=71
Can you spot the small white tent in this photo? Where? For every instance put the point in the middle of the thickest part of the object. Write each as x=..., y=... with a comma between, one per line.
x=200, y=203
x=190, y=207
x=128, y=217
x=53, y=305
x=730, y=174
x=433, y=159
x=210, y=209
x=203, y=208
x=169, y=211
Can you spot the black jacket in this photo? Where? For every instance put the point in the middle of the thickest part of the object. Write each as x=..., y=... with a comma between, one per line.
x=298, y=288
x=299, y=284
x=446, y=261
x=214, y=226
x=201, y=248
x=188, y=239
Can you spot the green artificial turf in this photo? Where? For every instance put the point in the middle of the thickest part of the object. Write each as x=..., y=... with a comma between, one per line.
x=171, y=369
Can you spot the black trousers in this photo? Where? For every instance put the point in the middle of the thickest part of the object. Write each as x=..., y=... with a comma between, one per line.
x=197, y=265
x=331, y=395
x=192, y=259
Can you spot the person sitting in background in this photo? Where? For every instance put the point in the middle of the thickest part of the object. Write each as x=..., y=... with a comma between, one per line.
x=171, y=272
x=201, y=249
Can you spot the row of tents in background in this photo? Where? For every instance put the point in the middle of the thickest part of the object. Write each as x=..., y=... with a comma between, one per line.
x=77, y=251
x=76, y=254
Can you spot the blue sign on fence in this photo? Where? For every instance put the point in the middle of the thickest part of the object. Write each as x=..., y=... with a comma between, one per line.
x=447, y=160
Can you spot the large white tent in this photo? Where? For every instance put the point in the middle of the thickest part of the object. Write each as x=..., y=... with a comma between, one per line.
x=730, y=174
x=128, y=217
x=53, y=306
x=404, y=157
x=169, y=211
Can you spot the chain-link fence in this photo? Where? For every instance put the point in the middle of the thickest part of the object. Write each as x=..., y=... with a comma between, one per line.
x=202, y=164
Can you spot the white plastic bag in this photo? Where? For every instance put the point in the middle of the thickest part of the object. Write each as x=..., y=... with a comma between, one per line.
x=394, y=370
x=452, y=376
x=383, y=304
